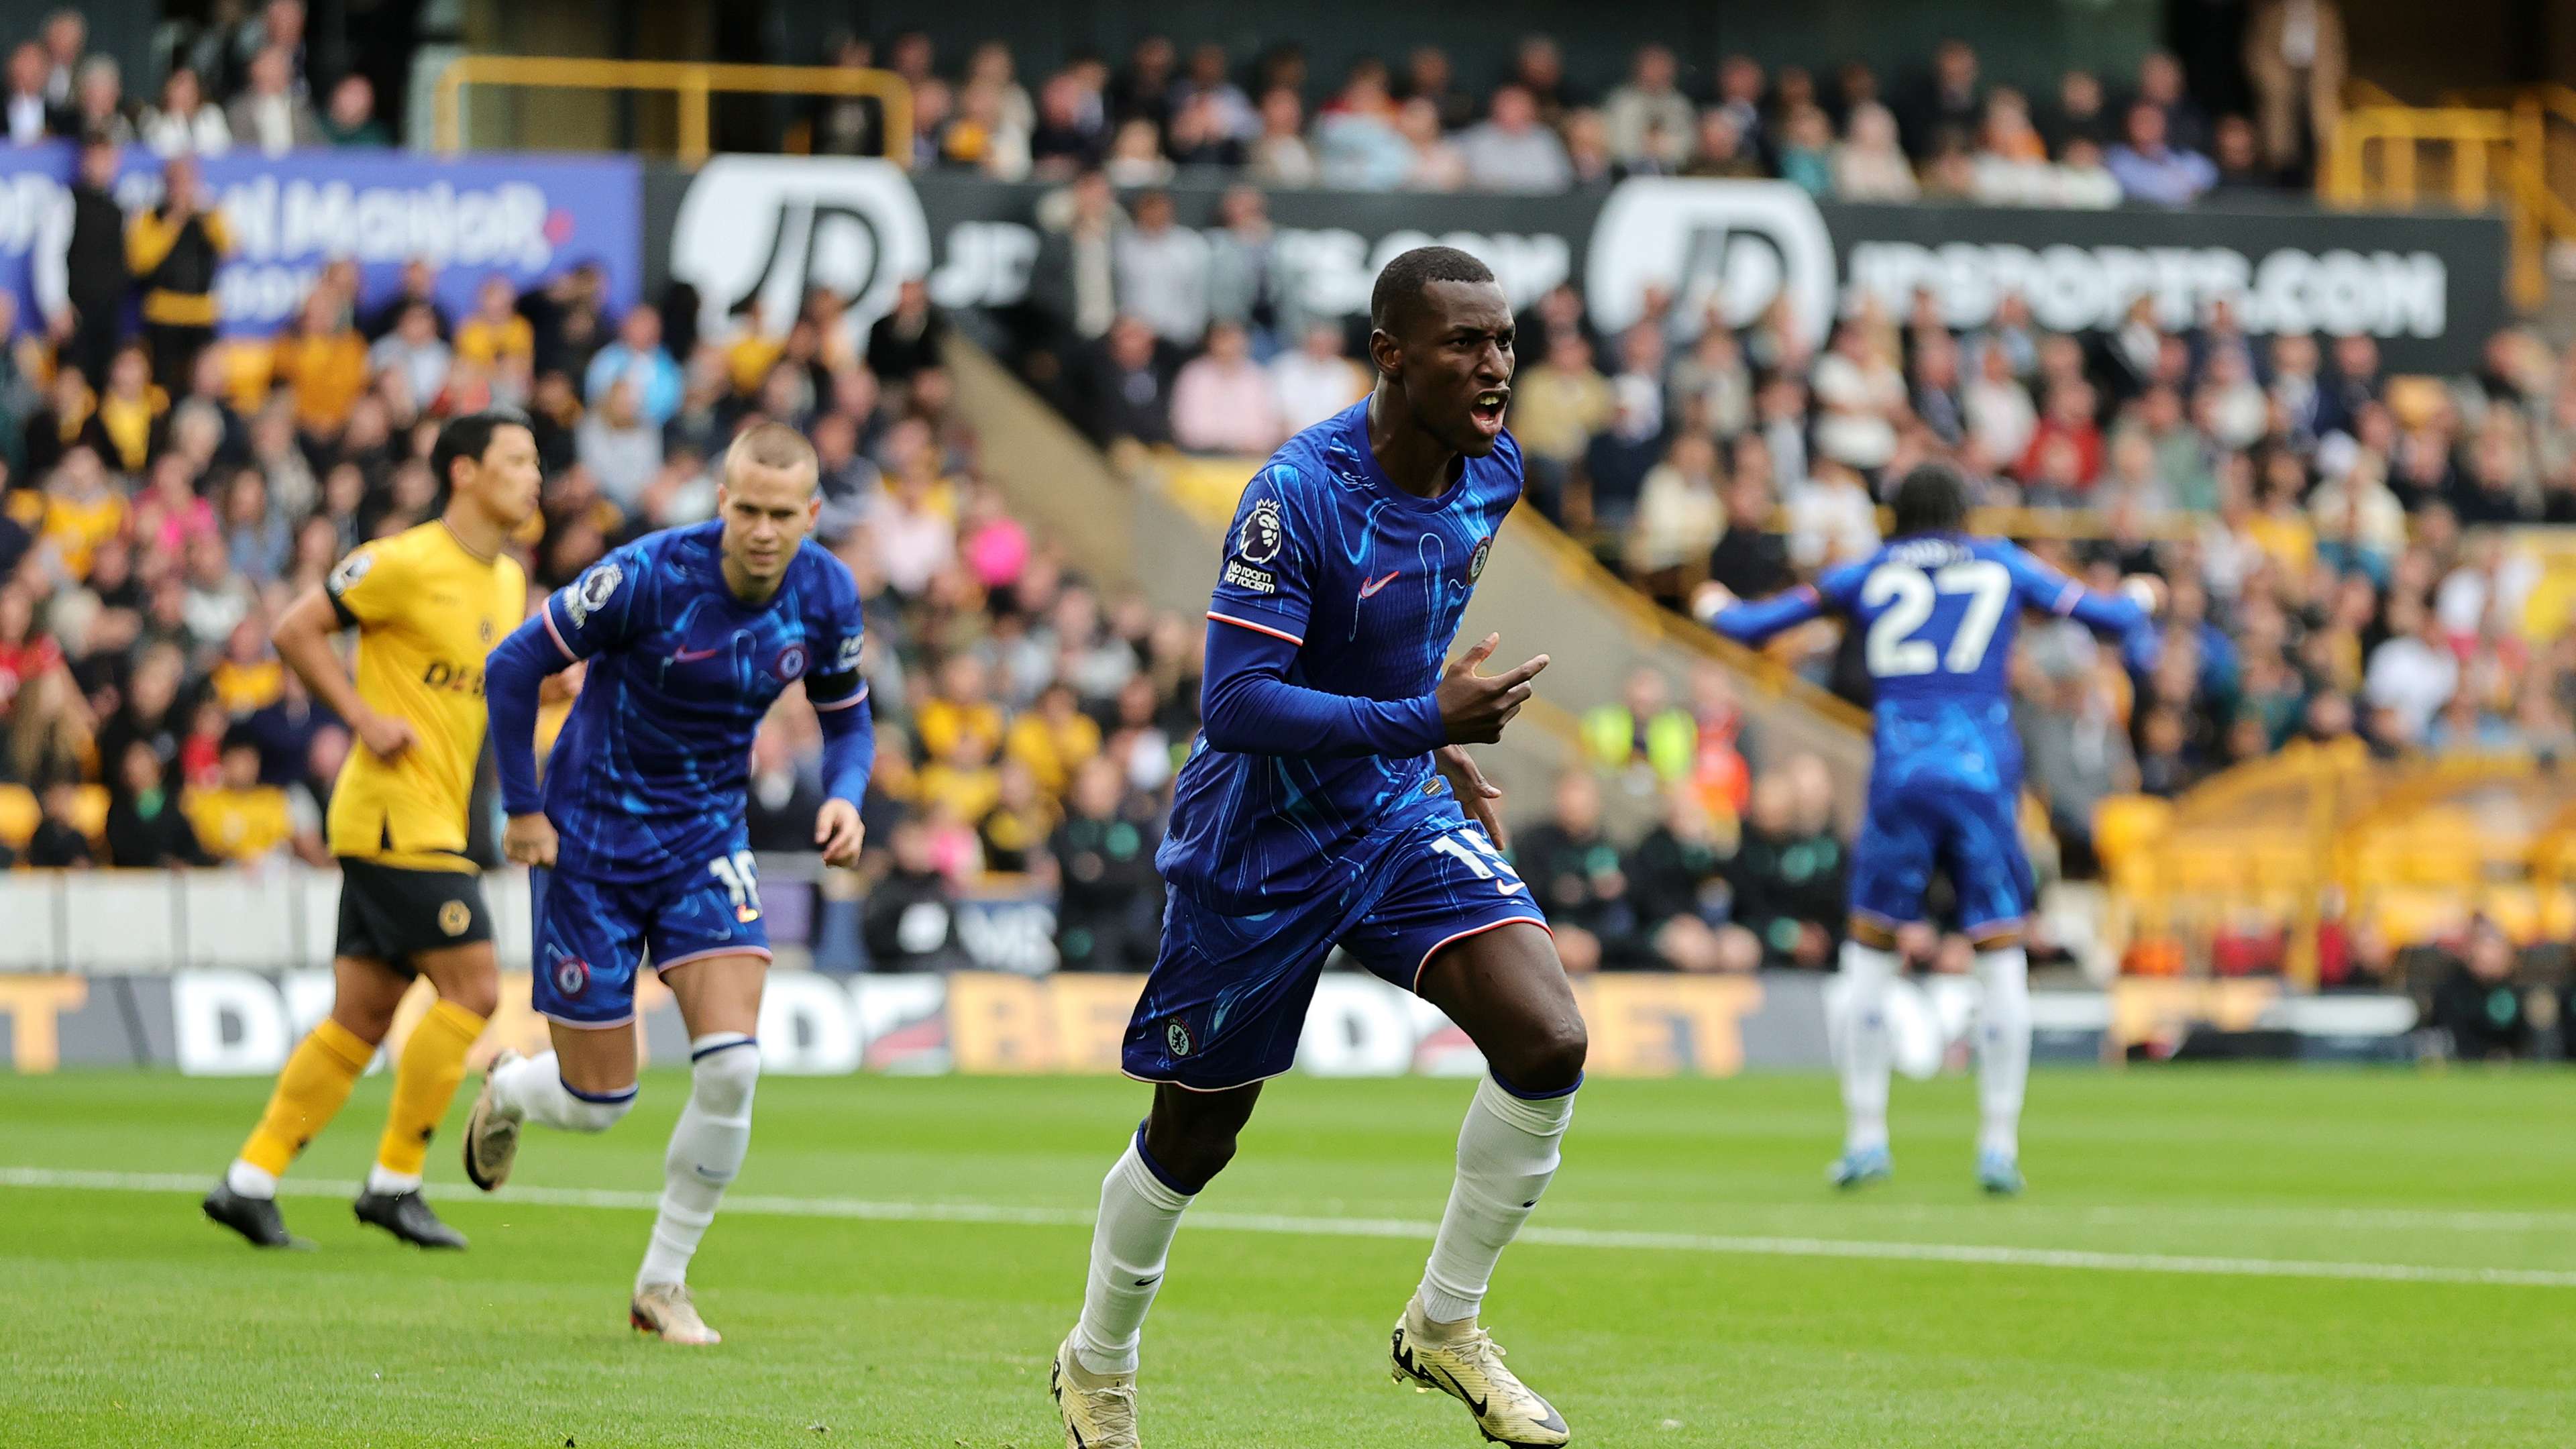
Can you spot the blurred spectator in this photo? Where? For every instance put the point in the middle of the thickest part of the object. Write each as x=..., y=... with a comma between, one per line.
x=637, y=358
x=2078, y=115
x=351, y=120
x=1279, y=155
x=849, y=125
x=238, y=819
x=1222, y=400
x=2478, y=1001
x=271, y=114
x=1162, y=272
x=1437, y=164
x=1788, y=876
x=145, y=827
x=1511, y=151
x=98, y=102
x=1945, y=106
x=2295, y=57
x=1577, y=875
x=96, y=277
x=1680, y=517
x=2153, y=171
x=1650, y=120
x=1124, y=387
x=172, y=251
x=33, y=116
x=907, y=338
x=1110, y=898
x=1718, y=148
x=324, y=361
x=184, y=121
x=59, y=842
x=1643, y=731
x=910, y=920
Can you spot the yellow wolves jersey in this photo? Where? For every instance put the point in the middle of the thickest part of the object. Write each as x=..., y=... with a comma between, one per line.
x=426, y=611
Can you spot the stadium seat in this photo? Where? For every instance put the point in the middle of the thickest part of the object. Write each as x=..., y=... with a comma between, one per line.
x=89, y=811
x=19, y=815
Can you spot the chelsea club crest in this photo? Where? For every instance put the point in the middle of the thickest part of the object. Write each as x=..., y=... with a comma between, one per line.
x=1476, y=561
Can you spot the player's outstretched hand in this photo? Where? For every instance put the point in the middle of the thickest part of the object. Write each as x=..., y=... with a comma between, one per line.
x=1709, y=600
x=1475, y=707
x=529, y=840
x=388, y=735
x=839, y=832
x=1479, y=797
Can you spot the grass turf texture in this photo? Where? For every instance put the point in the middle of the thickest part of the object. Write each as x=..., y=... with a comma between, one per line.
x=127, y=1319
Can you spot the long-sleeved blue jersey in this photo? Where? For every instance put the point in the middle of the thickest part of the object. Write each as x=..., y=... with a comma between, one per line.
x=1938, y=614
x=649, y=774
x=1333, y=614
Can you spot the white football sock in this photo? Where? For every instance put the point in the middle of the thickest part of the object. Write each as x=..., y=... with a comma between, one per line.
x=250, y=1181
x=2003, y=1048
x=1867, y=1054
x=1506, y=1154
x=533, y=1090
x=381, y=1178
x=707, y=1148
x=1139, y=1212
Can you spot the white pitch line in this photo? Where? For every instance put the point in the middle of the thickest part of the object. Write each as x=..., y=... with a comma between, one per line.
x=1993, y=1255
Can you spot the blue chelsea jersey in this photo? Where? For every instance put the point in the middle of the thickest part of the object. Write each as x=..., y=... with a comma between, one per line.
x=1369, y=582
x=649, y=774
x=1937, y=615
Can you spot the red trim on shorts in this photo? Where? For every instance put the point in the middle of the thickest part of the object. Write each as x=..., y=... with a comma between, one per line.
x=1475, y=931
x=676, y=962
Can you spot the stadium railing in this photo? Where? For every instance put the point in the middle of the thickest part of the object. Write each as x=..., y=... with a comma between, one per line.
x=2321, y=837
x=692, y=84
x=2478, y=154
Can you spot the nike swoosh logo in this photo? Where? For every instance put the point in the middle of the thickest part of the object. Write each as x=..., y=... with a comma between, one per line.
x=1455, y=1387
x=685, y=656
x=1509, y=887
x=1369, y=590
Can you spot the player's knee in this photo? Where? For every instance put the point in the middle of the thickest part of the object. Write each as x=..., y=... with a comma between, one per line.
x=480, y=995
x=1548, y=1058
x=722, y=1080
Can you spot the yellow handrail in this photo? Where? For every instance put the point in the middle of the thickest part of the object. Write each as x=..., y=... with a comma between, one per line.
x=2472, y=125
x=691, y=83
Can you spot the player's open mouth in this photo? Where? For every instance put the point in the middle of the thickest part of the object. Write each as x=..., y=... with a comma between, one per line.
x=1487, y=409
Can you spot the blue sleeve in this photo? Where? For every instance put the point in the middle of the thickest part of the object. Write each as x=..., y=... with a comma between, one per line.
x=2044, y=588
x=1267, y=582
x=849, y=749
x=839, y=692
x=1752, y=623
x=1250, y=708
x=511, y=676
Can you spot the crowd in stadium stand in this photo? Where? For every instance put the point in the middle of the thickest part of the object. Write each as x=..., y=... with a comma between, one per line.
x=245, y=84
x=1418, y=125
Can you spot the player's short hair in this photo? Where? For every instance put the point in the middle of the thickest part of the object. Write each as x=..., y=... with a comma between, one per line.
x=467, y=437
x=773, y=445
x=1399, y=287
x=1931, y=499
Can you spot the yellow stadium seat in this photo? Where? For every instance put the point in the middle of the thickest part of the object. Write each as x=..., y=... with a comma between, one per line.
x=89, y=810
x=2122, y=824
x=2412, y=915
x=18, y=816
x=2515, y=909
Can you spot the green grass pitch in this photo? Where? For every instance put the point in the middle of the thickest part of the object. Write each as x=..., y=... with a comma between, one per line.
x=915, y=1250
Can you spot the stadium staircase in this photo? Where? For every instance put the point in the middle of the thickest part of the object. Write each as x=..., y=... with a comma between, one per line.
x=1153, y=521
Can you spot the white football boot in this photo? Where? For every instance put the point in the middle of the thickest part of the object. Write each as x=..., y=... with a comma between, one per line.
x=664, y=1310
x=1098, y=1410
x=1469, y=1368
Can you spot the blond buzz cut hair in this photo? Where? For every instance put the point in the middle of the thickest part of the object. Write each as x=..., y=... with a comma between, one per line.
x=773, y=445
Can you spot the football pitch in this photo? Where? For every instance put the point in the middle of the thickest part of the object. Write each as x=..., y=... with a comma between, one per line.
x=2206, y=1257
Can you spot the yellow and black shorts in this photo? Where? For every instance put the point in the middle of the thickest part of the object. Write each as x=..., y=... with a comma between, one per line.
x=391, y=914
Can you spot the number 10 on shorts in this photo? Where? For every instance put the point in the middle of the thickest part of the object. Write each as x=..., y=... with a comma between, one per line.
x=742, y=879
